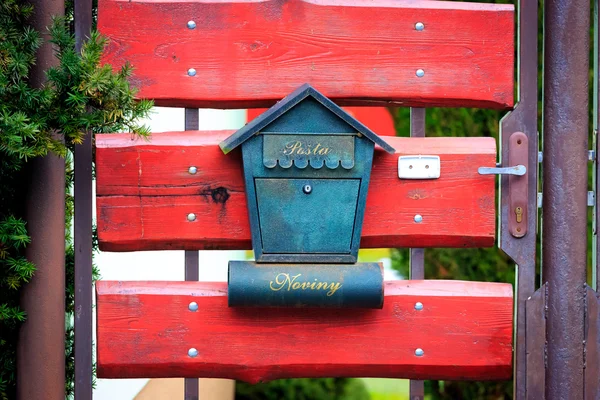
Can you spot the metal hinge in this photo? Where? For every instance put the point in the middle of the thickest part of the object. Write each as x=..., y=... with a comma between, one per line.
x=591, y=199
x=591, y=156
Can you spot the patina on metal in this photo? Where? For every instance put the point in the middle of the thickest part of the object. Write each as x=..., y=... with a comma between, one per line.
x=300, y=285
x=307, y=165
x=566, y=71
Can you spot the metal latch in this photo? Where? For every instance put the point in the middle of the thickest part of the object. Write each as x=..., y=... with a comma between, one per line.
x=418, y=167
x=518, y=170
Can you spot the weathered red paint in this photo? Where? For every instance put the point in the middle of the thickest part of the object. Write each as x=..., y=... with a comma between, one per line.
x=144, y=194
x=145, y=330
x=253, y=53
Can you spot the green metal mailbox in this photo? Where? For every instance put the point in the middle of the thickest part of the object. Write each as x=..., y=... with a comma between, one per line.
x=307, y=165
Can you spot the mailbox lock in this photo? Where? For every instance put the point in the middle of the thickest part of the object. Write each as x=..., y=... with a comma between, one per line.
x=307, y=189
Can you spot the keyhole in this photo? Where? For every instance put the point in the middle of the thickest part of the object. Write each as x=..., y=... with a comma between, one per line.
x=307, y=189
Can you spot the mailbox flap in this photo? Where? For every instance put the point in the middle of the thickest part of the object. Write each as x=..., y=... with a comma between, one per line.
x=294, y=220
x=302, y=150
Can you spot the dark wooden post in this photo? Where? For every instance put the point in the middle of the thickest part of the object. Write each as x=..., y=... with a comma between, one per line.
x=566, y=74
x=41, y=349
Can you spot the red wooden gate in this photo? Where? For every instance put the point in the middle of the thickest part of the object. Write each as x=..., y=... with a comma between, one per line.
x=251, y=54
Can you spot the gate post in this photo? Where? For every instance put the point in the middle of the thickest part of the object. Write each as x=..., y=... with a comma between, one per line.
x=41, y=346
x=566, y=76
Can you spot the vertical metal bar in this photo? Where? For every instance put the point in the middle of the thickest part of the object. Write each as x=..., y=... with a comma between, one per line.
x=83, y=234
x=41, y=345
x=566, y=73
x=522, y=119
x=192, y=272
x=596, y=171
x=417, y=256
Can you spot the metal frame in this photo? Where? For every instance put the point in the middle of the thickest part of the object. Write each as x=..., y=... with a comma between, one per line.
x=192, y=263
x=417, y=256
x=83, y=234
x=522, y=119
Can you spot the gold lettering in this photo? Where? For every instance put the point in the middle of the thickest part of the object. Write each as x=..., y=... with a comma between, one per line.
x=305, y=149
x=286, y=282
x=333, y=288
x=290, y=148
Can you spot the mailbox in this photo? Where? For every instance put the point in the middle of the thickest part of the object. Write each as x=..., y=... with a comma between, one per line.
x=307, y=165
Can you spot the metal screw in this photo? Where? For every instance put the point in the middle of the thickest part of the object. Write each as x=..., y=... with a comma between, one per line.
x=191, y=25
x=191, y=217
x=307, y=189
x=192, y=170
x=193, y=306
x=418, y=306
x=418, y=218
x=419, y=352
x=191, y=72
x=192, y=352
x=419, y=26
x=420, y=73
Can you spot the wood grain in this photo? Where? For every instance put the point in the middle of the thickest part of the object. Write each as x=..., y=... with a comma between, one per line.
x=377, y=119
x=145, y=330
x=144, y=194
x=253, y=53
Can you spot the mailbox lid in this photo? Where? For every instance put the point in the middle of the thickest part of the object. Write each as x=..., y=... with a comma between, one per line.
x=295, y=220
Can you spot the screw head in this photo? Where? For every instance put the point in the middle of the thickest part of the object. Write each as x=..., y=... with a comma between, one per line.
x=193, y=306
x=191, y=217
x=191, y=25
x=419, y=352
x=192, y=170
x=418, y=306
x=192, y=352
x=307, y=189
x=420, y=73
x=418, y=219
x=191, y=72
x=419, y=26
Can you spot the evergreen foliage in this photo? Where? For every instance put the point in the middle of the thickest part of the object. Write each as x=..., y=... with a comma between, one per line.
x=80, y=95
x=304, y=389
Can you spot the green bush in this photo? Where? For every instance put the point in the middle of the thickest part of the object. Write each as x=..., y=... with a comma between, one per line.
x=304, y=389
x=80, y=96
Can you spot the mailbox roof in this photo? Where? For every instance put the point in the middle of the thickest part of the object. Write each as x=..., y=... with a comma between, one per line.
x=285, y=105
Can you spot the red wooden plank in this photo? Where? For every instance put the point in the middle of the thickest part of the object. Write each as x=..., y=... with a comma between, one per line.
x=144, y=193
x=145, y=330
x=253, y=53
x=377, y=119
